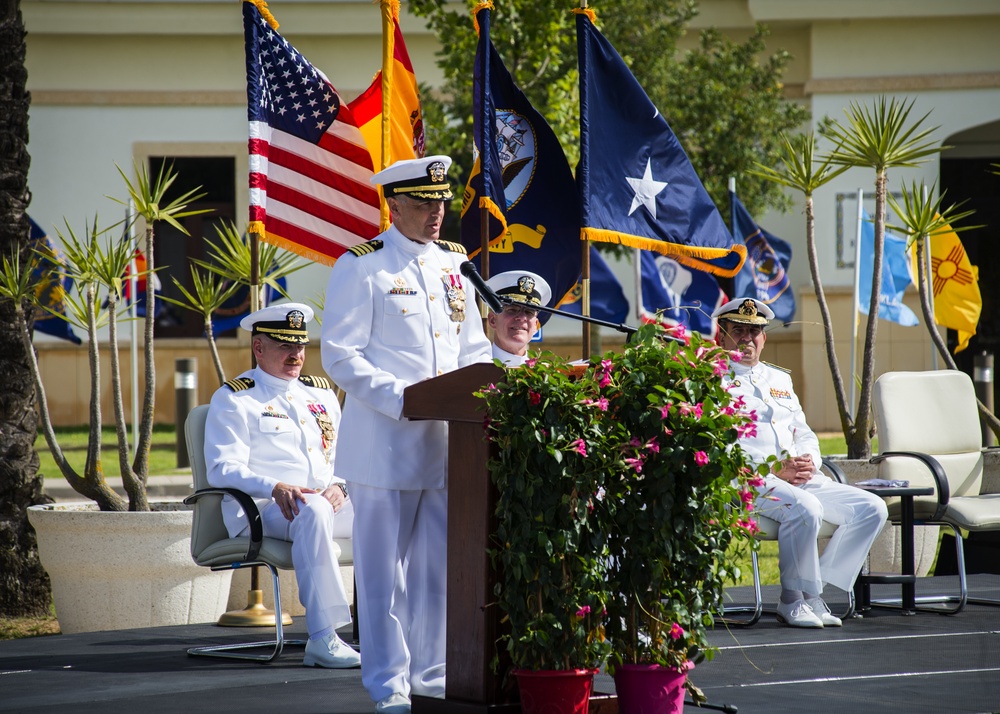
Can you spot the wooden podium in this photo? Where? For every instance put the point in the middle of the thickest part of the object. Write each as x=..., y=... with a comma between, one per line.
x=472, y=618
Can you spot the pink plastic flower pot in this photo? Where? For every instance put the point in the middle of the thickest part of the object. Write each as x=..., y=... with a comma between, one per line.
x=555, y=692
x=649, y=689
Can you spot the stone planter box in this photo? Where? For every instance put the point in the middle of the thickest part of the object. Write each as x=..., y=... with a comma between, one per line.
x=115, y=571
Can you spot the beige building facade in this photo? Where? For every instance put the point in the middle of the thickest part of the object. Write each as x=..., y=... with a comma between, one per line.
x=120, y=82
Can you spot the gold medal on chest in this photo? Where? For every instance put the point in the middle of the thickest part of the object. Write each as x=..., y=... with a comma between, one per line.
x=455, y=293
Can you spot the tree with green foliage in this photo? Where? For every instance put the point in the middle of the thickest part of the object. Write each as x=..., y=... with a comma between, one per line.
x=725, y=105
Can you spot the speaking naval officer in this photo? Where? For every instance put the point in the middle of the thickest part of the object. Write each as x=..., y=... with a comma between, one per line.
x=798, y=496
x=272, y=432
x=514, y=326
x=398, y=312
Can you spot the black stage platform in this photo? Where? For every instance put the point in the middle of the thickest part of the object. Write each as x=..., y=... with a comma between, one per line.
x=885, y=662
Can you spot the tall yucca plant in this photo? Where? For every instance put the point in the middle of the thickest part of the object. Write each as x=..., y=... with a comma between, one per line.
x=923, y=217
x=147, y=195
x=232, y=258
x=802, y=171
x=880, y=137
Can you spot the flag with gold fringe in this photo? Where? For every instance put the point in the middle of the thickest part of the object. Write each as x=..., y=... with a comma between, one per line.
x=388, y=112
x=310, y=170
x=533, y=183
x=954, y=282
x=637, y=186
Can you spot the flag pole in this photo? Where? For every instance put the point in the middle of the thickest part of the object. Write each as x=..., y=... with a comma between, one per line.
x=930, y=293
x=485, y=142
x=637, y=272
x=133, y=291
x=585, y=259
x=388, y=47
x=854, y=297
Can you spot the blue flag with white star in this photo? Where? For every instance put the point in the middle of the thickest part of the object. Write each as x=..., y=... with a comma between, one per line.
x=637, y=186
x=536, y=187
x=765, y=273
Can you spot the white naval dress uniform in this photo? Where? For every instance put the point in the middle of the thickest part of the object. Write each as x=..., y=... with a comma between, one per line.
x=262, y=430
x=781, y=428
x=509, y=359
x=388, y=324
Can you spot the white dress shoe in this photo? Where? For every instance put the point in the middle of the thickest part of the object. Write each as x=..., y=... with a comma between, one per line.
x=395, y=703
x=822, y=611
x=798, y=614
x=331, y=652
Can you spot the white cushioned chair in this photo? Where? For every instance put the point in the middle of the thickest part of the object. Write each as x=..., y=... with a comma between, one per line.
x=212, y=547
x=929, y=434
x=769, y=532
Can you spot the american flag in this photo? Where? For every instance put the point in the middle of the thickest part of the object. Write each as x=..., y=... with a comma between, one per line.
x=309, y=165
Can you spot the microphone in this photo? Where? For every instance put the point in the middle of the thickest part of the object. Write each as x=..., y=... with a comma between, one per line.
x=492, y=300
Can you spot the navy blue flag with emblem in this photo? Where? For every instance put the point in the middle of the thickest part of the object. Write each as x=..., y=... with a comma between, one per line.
x=765, y=273
x=485, y=189
x=51, y=287
x=539, y=195
x=229, y=314
x=637, y=186
x=607, y=298
x=679, y=296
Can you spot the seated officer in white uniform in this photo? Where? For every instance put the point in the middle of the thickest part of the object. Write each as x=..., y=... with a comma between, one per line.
x=797, y=495
x=396, y=315
x=272, y=433
x=514, y=326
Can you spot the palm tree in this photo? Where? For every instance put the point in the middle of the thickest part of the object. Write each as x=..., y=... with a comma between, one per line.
x=24, y=586
x=800, y=171
x=880, y=138
x=923, y=218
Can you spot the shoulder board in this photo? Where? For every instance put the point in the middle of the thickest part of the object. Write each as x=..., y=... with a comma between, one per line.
x=453, y=247
x=365, y=248
x=239, y=384
x=317, y=382
x=777, y=367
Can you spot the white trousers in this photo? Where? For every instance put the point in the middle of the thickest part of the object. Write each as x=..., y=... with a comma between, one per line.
x=401, y=567
x=801, y=511
x=317, y=570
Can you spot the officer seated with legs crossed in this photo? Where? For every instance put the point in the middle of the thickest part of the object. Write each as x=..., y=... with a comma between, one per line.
x=272, y=433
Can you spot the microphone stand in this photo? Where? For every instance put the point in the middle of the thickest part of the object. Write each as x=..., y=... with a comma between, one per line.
x=627, y=330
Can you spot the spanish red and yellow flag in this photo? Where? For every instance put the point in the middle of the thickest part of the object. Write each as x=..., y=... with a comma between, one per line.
x=388, y=112
x=954, y=281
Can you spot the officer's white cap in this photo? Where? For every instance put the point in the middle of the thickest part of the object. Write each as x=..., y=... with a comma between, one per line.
x=425, y=179
x=522, y=286
x=748, y=311
x=285, y=322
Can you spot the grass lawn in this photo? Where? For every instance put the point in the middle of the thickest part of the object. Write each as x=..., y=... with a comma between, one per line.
x=73, y=440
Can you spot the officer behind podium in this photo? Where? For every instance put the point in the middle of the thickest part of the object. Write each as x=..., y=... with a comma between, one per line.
x=272, y=433
x=398, y=312
x=514, y=326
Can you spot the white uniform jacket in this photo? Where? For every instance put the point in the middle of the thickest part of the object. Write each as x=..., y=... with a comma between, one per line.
x=262, y=430
x=781, y=423
x=388, y=323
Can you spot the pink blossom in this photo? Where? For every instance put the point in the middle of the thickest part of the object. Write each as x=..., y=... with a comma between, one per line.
x=676, y=631
x=727, y=410
x=634, y=441
x=746, y=431
x=531, y=362
x=747, y=497
x=601, y=403
x=635, y=464
x=653, y=446
x=756, y=482
x=697, y=411
x=580, y=446
x=749, y=525
x=583, y=611
x=736, y=356
x=664, y=410
x=534, y=397
x=721, y=367
x=701, y=458
x=686, y=408
x=667, y=431
x=701, y=352
x=739, y=403
x=491, y=387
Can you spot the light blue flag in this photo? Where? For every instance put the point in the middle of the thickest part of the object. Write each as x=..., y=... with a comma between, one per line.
x=895, y=276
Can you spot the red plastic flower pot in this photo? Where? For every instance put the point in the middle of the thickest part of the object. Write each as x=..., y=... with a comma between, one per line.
x=649, y=689
x=555, y=691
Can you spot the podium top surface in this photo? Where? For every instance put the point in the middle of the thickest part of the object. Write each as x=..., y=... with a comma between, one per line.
x=450, y=396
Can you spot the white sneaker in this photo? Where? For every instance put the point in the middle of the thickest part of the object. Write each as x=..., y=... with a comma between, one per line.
x=798, y=614
x=822, y=611
x=395, y=703
x=331, y=652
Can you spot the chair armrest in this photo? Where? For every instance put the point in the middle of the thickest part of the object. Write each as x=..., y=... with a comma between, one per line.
x=249, y=507
x=835, y=471
x=932, y=464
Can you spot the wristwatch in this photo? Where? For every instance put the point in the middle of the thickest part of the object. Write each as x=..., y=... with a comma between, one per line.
x=343, y=488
